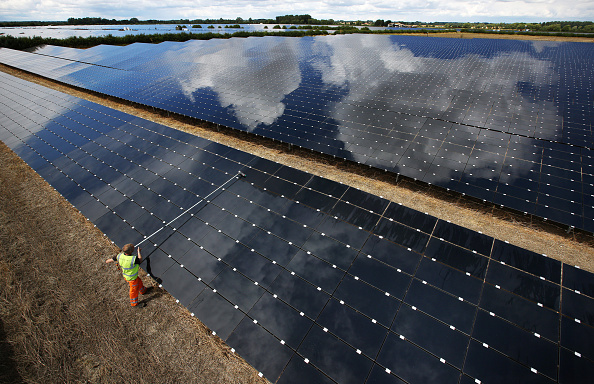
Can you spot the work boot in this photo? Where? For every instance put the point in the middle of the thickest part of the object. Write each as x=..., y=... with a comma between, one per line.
x=148, y=290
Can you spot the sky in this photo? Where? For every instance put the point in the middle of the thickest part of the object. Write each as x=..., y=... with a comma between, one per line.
x=407, y=10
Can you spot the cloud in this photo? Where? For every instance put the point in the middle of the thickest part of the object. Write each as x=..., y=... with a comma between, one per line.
x=400, y=77
x=367, y=70
x=384, y=90
x=424, y=10
x=248, y=84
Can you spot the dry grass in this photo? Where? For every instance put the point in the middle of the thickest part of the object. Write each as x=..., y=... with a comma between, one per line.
x=65, y=313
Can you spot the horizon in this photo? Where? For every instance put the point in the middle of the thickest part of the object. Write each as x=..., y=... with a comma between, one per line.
x=427, y=11
x=246, y=21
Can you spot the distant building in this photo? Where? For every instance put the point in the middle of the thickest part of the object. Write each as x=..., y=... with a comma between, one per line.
x=400, y=25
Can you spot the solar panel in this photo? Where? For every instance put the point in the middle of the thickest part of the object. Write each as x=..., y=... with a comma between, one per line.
x=307, y=278
x=477, y=116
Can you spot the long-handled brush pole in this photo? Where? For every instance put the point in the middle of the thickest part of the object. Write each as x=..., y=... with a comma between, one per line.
x=238, y=175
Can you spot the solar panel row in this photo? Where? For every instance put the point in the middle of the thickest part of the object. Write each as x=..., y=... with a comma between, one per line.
x=307, y=279
x=509, y=122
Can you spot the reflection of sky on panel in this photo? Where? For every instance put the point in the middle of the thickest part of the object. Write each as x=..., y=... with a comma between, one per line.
x=35, y=120
x=255, y=263
x=64, y=31
x=402, y=72
x=540, y=45
x=245, y=82
x=473, y=115
x=251, y=77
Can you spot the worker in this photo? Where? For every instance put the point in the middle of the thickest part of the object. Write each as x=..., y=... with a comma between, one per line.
x=129, y=264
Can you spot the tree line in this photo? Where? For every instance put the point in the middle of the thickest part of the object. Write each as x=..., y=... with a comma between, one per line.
x=287, y=19
x=21, y=43
x=549, y=26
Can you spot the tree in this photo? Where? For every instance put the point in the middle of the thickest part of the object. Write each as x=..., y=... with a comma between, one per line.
x=294, y=19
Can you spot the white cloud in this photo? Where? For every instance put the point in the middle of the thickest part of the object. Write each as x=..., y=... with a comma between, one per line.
x=244, y=83
x=365, y=70
x=424, y=10
x=430, y=80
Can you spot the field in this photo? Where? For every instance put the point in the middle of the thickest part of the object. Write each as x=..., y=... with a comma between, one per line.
x=64, y=313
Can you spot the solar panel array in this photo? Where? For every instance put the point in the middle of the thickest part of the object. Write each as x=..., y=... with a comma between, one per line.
x=308, y=279
x=506, y=121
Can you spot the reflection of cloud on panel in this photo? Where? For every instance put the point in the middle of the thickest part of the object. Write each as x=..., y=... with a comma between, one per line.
x=250, y=84
x=540, y=45
x=425, y=86
x=345, y=59
x=56, y=116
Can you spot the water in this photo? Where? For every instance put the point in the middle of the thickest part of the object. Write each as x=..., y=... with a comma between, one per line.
x=64, y=31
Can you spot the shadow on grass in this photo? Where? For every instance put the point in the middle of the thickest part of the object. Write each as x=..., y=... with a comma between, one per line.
x=8, y=367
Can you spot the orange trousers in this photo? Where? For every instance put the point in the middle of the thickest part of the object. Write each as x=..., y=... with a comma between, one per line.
x=136, y=287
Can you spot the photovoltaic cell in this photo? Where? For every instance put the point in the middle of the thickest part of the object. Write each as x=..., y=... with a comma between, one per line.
x=504, y=121
x=306, y=278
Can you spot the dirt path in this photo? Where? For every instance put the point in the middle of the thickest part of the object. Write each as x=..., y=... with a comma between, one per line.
x=65, y=315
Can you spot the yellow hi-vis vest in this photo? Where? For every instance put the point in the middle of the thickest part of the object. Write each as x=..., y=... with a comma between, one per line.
x=128, y=265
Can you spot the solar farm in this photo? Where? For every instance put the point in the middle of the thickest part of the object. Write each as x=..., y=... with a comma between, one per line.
x=310, y=279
